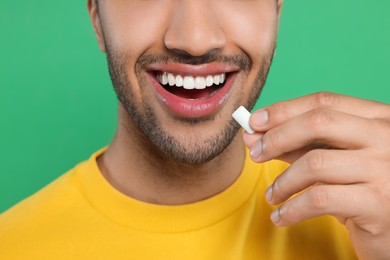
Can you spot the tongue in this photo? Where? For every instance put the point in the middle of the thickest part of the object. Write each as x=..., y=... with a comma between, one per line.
x=192, y=93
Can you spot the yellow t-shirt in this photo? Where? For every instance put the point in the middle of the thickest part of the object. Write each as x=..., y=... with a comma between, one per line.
x=80, y=216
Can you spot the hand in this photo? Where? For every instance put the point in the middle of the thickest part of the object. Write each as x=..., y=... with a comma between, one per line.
x=339, y=150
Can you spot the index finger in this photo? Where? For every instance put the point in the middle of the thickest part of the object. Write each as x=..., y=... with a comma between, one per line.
x=266, y=118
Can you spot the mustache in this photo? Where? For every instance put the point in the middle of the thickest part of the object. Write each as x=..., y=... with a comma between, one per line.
x=177, y=56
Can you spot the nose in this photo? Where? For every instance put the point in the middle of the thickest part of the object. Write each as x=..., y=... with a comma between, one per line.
x=194, y=29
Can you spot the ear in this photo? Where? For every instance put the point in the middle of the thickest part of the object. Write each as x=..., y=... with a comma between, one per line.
x=97, y=27
x=280, y=5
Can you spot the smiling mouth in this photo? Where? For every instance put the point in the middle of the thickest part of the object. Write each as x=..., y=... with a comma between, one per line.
x=191, y=87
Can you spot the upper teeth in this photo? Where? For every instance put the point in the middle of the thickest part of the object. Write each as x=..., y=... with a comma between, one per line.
x=190, y=82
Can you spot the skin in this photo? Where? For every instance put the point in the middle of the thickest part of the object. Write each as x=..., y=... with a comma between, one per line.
x=135, y=160
x=338, y=146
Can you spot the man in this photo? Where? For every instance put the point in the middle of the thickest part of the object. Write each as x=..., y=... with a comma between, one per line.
x=177, y=182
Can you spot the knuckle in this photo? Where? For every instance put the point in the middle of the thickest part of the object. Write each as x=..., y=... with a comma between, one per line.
x=318, y=198
x=318, y=119
x=325, y=99
x=314, y=160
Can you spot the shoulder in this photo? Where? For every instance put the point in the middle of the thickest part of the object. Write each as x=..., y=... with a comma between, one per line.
x=35, y=216
x=49, y=221
x=45, y=201
x=58, y=196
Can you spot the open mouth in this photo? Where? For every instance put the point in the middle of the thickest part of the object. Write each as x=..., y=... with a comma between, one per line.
x=193, y=91
x=191, y=87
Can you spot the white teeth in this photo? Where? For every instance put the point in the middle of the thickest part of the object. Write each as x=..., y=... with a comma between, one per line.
x=200, y=83
x=171, y=79
x=179, y=81
x=209, y=81
x=216, y=80
x=164, y=79
x=222, y=78
x=190, y=82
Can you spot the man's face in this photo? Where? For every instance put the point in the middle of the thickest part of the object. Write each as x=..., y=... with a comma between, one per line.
x=181, y=67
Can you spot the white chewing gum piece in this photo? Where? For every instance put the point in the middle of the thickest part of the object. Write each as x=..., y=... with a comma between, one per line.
x=241, y=115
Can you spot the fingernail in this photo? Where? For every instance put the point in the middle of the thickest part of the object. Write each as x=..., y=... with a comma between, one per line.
x=268, y=194
x=260, y=118
x=275, y=216
x=256, y=150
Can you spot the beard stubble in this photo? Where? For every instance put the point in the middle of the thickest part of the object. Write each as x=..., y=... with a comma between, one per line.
x=191, y=151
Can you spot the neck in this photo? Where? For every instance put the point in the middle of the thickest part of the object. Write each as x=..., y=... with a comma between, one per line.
x=134, y=167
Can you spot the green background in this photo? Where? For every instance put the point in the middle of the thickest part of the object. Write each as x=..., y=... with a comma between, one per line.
x=57, y=105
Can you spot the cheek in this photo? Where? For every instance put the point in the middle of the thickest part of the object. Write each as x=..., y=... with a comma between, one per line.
x=253, y=31
x=134, y=26
x=253, y=28
x=131, y=28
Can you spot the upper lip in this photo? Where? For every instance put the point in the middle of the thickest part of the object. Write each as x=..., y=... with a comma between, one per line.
x=193, y=70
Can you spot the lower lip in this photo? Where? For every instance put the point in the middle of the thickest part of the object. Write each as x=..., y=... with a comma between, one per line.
x=197, y=108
